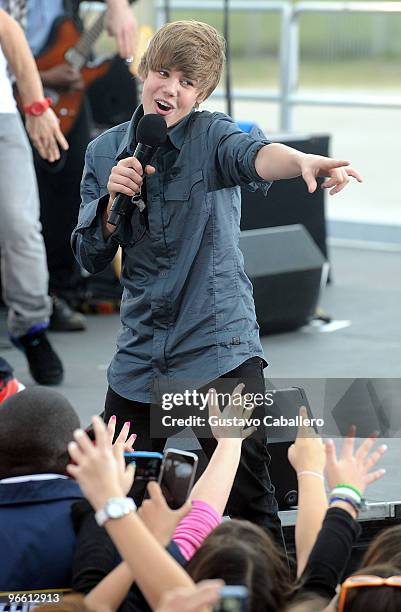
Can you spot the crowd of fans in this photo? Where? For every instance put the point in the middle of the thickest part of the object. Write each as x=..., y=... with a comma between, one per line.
x=163, y=559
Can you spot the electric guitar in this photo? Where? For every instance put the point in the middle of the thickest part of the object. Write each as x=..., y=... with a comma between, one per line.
x=68, y=45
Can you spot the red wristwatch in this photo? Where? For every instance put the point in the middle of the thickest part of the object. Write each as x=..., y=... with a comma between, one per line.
x=38, y=108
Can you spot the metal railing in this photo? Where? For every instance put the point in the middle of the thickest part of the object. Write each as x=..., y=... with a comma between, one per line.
x=287, y=94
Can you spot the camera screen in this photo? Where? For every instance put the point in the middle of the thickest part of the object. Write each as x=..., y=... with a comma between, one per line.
x=147, y=467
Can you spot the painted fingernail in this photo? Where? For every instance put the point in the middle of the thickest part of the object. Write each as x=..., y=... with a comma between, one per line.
x=113, y=418
x=127, y=423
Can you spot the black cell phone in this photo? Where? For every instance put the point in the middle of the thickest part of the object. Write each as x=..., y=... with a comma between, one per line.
x=232, y=599
x=148, y=464
x=177, y=476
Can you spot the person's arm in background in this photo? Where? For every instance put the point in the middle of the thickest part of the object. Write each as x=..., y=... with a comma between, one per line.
x=43, y=130
x=307, y=457
x=121, y=23
x=277, y=161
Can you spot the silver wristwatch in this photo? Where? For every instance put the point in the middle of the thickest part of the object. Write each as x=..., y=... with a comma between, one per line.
x=115, y=508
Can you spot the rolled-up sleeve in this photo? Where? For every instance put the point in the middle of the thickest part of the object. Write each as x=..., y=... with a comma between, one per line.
x=233, y=153
x=92, y=251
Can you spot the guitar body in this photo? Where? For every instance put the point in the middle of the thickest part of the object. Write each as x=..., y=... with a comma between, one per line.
x=67, y=104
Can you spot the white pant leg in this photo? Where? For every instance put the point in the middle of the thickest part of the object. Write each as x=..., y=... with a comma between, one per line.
x=23, y=257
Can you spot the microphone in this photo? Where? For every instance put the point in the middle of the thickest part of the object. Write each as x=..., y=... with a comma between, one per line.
x=150, y=134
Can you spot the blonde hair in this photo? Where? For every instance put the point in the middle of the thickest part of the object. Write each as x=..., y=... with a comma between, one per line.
x=193, y=47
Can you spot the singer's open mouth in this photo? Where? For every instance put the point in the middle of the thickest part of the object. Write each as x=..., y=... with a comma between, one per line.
x=163, y=106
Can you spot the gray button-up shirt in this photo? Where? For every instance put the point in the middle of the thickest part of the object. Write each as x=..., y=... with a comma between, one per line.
x=187, y=310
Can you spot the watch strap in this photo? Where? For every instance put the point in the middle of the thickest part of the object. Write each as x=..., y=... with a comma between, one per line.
x=127, y=505
x=38, y=107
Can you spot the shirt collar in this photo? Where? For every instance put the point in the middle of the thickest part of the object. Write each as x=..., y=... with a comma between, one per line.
x=176, y=134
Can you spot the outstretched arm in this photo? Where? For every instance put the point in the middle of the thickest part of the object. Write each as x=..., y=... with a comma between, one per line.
x=43, y=130
x=277, y=161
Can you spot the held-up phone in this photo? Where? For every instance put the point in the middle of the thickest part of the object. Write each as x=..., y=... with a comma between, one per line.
x=232, y=599
x=148, y=464
x=177, y=476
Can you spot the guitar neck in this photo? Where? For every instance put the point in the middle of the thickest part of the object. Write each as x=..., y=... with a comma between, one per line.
x=88, y=38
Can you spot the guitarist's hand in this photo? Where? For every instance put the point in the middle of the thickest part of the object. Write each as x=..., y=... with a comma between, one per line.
x=121, y=23
x=45, y=134
x=63, y=77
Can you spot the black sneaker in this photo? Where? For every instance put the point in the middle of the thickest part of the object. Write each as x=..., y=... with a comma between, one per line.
x=44, y=364
x=64, y=319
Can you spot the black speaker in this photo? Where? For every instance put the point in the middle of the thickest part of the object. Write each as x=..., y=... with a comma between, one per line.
x=378, y=516
x=282, y=428
x=288, y=201
x=113, y=97
x=287, y=270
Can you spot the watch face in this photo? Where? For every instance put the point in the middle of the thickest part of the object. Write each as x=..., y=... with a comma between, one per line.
x=37, y=108
x=114, y=510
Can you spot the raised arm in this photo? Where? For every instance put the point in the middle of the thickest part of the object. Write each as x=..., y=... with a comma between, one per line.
x=307, y=457
x=100, y=474
x=277, y=161
x=43, y=130
x=215, y=484
x=332, y=550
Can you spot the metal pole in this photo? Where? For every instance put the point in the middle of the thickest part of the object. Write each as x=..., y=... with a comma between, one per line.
x=167, y=11
x=226, y=31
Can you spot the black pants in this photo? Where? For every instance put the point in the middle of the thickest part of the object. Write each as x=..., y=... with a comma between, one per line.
x=252, y=496
x=59, y=192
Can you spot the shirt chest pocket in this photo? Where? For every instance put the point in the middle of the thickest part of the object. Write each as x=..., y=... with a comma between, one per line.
x=185, y=196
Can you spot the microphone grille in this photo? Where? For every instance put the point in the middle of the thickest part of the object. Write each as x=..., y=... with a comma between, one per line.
x=151, y=130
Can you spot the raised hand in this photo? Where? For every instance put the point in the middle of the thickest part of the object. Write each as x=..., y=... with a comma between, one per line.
x=236, y=419
x=353, y=467
x=307, y=453
x=99, y=468
x=123, y=437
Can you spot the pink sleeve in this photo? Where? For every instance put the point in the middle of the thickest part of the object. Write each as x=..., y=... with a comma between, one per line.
x=195, y=527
